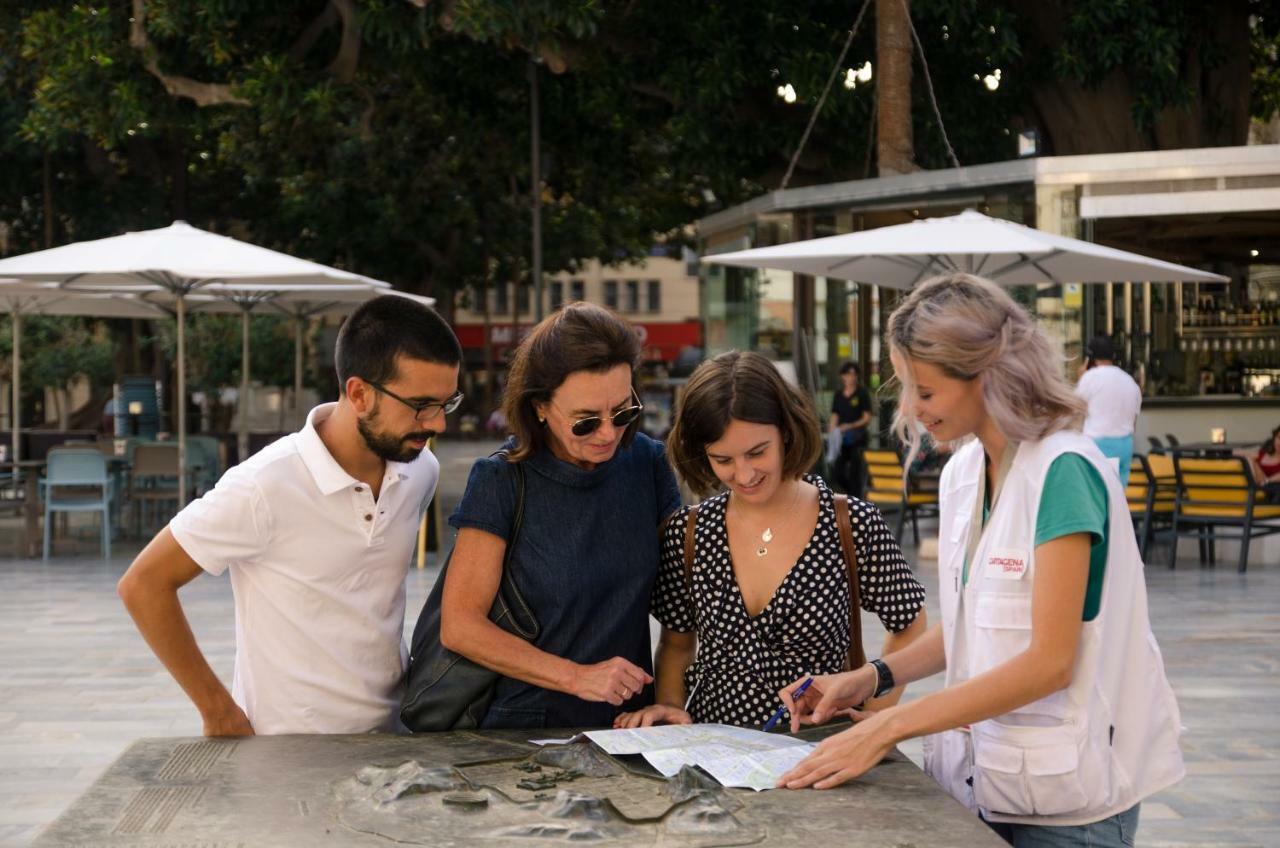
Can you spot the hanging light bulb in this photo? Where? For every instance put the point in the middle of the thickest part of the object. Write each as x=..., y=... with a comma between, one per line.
x=787, y=93
x=864, y=73
x=992, y=80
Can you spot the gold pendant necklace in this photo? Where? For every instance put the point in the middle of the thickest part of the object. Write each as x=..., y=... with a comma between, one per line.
x=762, y=549
x=765, y=538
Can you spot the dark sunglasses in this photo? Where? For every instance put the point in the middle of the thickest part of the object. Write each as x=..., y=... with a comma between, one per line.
x=621, y=419
x=419, y=407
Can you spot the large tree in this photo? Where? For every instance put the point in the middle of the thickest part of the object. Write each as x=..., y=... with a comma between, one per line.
x=393, y=137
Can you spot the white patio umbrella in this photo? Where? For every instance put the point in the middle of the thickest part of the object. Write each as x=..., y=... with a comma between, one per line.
x=1010, y=254
x=21, y=299
x=169, y=265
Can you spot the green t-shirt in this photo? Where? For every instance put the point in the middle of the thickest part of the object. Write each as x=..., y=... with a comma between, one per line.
x=1078, y=504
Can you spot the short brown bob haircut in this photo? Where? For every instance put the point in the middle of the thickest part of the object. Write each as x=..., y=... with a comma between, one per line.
x=744, y=386
x=579, y=337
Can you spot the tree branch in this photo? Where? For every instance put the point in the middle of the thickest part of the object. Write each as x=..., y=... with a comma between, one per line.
x=343, y=66
x=302, y=46
x=202, y=93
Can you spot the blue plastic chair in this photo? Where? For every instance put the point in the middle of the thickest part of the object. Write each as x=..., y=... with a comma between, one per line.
x=70, y=477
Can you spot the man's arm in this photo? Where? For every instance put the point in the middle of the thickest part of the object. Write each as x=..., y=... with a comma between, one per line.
x=149, y=590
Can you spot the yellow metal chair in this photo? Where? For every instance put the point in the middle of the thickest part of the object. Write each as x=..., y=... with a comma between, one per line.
x=1216, y=494
x=1151, y=495
x=890, y=488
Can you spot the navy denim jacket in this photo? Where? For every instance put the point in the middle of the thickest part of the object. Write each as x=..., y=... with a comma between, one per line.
x=586, y=561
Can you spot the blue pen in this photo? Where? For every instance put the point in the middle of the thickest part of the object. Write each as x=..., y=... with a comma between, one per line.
x=795, y=696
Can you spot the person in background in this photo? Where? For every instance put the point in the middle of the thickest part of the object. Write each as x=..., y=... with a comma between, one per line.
x=850, y=415
x=1114, y=401
x=1265, y=463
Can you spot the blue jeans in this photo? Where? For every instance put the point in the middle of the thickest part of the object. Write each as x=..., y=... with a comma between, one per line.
x=1118, y=831
x=1119, y=448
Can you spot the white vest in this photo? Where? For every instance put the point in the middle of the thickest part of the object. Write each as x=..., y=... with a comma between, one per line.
x=1085, y=752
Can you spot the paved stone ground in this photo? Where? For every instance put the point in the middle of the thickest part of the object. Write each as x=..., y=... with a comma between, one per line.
x=77, y=684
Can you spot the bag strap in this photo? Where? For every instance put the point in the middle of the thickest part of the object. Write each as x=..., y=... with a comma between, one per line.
x=856, y=657
x=507, y=585
x=690, y=546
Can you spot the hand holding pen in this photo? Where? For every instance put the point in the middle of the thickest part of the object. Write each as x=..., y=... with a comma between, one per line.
x=788, y=704
x=818, y=699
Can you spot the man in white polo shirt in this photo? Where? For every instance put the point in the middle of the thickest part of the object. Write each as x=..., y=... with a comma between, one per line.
x=1114, y=403
x=316, y=531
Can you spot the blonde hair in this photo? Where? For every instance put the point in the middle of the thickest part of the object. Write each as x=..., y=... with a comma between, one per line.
x=968, y=327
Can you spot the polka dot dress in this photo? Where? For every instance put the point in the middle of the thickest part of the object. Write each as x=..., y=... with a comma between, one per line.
x=743, y=661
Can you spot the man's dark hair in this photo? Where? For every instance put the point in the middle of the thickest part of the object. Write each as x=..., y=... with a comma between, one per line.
x=850, y=366
x=387, y=327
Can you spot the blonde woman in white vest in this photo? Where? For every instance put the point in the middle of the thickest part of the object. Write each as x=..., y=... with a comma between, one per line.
x=1056, y=719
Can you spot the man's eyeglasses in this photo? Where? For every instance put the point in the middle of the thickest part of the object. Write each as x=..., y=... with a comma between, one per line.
x=621, y=419
x=421, y=408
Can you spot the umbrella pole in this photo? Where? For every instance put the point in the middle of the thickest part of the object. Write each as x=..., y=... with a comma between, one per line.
x=242, y=438
x=14, y=410
x=297, y=368
x=182, y=403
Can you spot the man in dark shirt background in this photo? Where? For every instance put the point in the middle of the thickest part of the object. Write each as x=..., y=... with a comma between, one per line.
x=851, y=413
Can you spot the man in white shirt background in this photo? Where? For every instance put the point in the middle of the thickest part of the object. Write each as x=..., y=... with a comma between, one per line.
x=1114, y=403
x=317, y=532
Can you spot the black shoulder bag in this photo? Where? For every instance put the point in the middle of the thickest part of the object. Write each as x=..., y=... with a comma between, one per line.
x=447, y=691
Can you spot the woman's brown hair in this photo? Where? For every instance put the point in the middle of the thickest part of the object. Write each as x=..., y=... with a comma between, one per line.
x=744, y=386
x=579, y=337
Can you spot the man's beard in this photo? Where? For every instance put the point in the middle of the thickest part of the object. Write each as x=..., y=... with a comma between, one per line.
x=387, y=447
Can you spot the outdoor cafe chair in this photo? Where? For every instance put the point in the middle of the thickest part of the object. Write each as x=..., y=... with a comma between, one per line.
x=153, y=479
x=1156, y=446
x=76, y=480
x=1150, y=495
x=204, y=462
x=1220, y=494
x=889, y=487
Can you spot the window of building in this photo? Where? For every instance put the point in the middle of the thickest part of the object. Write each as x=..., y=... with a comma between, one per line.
x=633, y=296
x=654, y=303
x=500, y=302
x=611, y=294
x=522, y=299
x=557, y=295
x=577, y=290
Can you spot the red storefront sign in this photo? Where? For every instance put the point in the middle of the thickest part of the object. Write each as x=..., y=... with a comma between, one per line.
x=662, y=341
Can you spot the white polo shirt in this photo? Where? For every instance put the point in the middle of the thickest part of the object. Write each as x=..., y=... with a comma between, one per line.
x=1114, y=401
x=317, y=570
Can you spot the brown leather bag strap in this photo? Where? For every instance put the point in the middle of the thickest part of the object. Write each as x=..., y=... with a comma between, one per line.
x=689, y=543
x=856, y=657
x=690, y=546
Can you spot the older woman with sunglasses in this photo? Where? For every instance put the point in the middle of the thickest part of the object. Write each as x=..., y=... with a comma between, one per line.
x=586, y=555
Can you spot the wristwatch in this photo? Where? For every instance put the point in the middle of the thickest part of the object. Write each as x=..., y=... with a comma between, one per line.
x=884, y=678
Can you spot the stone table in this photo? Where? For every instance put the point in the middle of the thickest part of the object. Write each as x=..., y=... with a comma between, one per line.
x=473, y=788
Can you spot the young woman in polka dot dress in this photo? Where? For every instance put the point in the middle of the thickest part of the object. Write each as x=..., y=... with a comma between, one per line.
x=768, y=596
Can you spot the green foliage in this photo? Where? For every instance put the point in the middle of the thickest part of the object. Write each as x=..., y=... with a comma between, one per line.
x=412, y=165
x=56, y=351
x=213, y=350
x=1264, y=43
x=1151, y=39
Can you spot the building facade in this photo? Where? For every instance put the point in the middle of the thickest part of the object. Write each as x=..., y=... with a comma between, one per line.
x=1207, y=355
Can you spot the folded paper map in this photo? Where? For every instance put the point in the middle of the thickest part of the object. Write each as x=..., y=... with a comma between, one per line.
x=734, y=756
